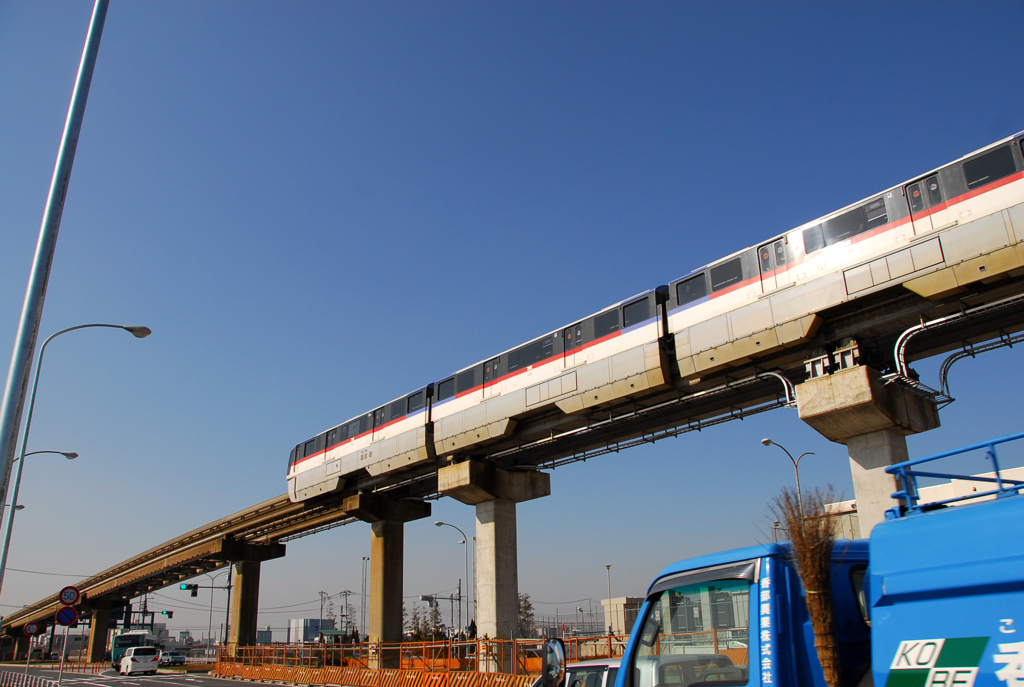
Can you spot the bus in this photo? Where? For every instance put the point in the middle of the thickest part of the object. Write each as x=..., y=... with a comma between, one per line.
x=126, y=640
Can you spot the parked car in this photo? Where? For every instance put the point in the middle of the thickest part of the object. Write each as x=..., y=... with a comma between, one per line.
x=140, y=660
x=171, y=658
x=598, y=672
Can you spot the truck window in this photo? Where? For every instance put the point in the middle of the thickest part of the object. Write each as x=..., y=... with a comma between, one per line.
x=857, y=573
x=695, y=633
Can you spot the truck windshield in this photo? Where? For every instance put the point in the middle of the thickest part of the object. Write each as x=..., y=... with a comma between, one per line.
x=695, y=633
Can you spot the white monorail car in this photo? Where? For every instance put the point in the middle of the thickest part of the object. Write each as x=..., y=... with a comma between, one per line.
x=935, y=234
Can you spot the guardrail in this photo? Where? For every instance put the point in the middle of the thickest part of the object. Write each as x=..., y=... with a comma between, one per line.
x=907, y=476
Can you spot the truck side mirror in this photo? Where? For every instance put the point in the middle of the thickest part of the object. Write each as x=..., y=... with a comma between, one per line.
x=553, y=663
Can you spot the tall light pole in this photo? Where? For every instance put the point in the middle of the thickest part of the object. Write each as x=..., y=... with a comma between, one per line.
x=136, y=331
x=465, y=540
x=796, y=469
x=35, y=294
x=209, y=627
x=608, y=568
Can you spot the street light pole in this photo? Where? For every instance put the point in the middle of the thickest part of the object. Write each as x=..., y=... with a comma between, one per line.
x=362, y=603
x=465, y=540
x=608, y=567
x=137, y=332
x=796, y=469
x=209, y=627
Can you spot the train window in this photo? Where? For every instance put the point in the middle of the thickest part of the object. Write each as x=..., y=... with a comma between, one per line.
x=342, y=434
x=813, y=240
x=766, y=256
x=464, y=381
x=691, y=289
x=310, y=448
x=989, y=167
x=876, y=214
x=916, y=198
x=416, y=401
x=531, y=353
x=844, y=226
x=636, y=312
x=727, y=274
x=446, y=389
x=397, y=409
x=606, y=323
x=934, y=191
x=780, y=252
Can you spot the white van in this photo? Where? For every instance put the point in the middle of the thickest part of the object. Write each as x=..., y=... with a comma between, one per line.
x=140, y=660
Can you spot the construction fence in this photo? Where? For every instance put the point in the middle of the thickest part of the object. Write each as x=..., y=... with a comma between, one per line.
x=473, y=663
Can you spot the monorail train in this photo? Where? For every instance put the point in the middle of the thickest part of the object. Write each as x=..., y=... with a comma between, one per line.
x=934, y=234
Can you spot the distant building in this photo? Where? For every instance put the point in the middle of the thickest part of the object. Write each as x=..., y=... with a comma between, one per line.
x=620, y=613
x=306, y=630
x=264, y=636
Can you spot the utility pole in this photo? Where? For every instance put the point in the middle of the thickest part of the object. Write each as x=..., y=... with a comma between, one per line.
x=345, y=594
x=320, y=624
x=362, y=607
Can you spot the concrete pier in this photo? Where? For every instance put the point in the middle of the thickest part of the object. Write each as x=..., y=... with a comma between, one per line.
x=387, y=520
x=855, y=407
x=245, y=594
x=495, y=494
x=98, y=631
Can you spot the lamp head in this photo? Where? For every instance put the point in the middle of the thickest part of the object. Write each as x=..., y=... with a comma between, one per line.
x=70, y=455
x=19, y=507
x=766, y=442
x=138, y=332
x=438, y=523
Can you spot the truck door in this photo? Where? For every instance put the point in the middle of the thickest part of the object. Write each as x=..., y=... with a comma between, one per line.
x=927, y=204
x=773, y=261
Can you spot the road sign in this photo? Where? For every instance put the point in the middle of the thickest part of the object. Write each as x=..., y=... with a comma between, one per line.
x=31, y=629
x=69, y=596
x=67, y=616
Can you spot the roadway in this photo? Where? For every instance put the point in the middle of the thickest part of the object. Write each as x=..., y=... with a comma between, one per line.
x=110, y=678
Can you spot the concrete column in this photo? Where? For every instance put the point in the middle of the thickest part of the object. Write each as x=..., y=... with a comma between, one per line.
x=387, y=520
x=495, y=493
x=855, y=407
x=245, y=602
x=98, y=632
x=497, y=569
x=870, y=455
x=387, y=553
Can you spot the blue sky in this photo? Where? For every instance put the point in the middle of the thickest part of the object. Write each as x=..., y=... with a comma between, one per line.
x=320, y=206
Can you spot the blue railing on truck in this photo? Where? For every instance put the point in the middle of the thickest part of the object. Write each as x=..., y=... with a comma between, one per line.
x=907, y=476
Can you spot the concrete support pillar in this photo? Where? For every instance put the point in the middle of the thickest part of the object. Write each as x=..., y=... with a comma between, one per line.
x=495, y=494
x=245, y=603
x=855, y=407
x=870, y=455
x=497, y=569
x=98, y=631
x=387, y=553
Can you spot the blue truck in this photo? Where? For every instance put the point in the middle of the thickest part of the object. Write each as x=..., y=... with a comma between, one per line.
x=935, y=598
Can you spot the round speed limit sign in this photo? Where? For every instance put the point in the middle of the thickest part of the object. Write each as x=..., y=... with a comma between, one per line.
x=69, y=595
x=31, y=629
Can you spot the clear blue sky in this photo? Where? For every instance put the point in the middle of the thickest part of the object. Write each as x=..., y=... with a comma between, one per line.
x=320, y=206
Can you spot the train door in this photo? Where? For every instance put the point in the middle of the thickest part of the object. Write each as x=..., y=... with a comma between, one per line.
x=490, y=375
x=928, y=209
x=774, y=265
x=572, y=337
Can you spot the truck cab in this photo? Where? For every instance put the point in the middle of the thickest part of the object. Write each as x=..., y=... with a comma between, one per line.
x=738, y=618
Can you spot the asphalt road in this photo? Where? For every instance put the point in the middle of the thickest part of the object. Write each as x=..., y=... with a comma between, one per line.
x=110, y=678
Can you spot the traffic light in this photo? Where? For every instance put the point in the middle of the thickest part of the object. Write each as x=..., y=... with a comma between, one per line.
x=194, y=588
x=169, y=614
